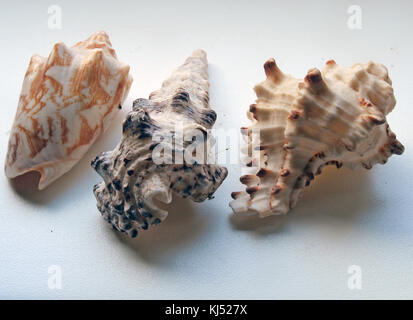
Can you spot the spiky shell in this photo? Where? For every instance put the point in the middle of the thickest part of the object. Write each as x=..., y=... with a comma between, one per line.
x=335, y=116
x=67, y=100
x=133, y=180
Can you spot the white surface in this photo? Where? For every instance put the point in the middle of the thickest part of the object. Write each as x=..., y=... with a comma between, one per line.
x=363, y=217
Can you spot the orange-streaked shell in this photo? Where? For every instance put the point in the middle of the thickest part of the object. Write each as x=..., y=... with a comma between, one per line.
x=336, y=116
x=67, y=100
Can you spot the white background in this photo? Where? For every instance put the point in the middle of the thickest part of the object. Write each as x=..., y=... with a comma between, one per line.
x=362, y=217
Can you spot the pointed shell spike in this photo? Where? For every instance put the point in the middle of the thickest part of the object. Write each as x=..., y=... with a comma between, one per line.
x=272, y=71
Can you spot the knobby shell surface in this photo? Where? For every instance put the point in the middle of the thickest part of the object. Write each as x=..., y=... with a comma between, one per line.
x=133, y=180
x=336, y=116
x=67, y=101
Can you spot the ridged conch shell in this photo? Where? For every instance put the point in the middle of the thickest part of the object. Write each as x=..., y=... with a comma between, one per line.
x=67, y=100
x=132, y=177
x=336, y=116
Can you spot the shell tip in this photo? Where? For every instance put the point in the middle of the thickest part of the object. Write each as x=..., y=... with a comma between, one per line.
x=271, y=70
x=313, y=76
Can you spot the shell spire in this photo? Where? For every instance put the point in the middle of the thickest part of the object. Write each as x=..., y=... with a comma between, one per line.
x=336, y=116
x=152, y=162
x=67, y=100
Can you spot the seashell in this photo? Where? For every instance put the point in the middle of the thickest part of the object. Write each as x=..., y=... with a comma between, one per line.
x=67, y=101
x=133, y=178
x=336, y=116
